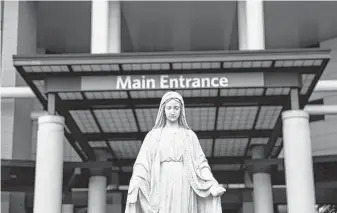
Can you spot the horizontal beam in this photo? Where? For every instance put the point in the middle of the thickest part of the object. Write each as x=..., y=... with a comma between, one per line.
x=39, y=75
x=111, y=163
x=128, y=162
x=233, y=196
x=325, y=158
x=189, y=102
x=16, y=92
x=26, y=92
x=79, y=199
x=256, y=164
x=171, y=57
x=321, y=109
x=326, y=86
x=113, y=136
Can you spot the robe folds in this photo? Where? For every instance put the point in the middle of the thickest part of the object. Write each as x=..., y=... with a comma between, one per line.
x=144, y=188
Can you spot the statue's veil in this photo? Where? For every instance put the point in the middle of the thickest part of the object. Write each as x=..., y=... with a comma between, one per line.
x=161, y=119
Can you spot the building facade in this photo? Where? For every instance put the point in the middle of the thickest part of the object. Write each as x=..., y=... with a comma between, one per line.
x=139, y=28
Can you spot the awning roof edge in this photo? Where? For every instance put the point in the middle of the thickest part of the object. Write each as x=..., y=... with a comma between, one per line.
x=171, y=57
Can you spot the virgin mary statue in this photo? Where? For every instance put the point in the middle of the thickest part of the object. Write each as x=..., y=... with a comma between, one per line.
x=171, y=173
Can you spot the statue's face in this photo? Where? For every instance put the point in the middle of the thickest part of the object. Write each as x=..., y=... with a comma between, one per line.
x=172, y=110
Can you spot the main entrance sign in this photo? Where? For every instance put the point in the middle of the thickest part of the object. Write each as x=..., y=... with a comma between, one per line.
x=172, y=81
x=165, y=82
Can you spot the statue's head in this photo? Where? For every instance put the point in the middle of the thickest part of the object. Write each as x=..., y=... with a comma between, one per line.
x=171, y=108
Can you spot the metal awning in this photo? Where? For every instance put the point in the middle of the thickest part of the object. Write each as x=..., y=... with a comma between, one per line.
x=227, y=119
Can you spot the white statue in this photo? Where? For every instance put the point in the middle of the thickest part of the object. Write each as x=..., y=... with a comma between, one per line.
x=171, y=173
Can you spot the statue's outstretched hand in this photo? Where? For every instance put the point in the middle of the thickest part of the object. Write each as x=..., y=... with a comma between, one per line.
x=217, y=190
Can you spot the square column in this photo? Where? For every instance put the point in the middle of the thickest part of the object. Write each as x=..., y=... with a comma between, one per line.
x=251, y=25
x=114, y=24
x=105, y=26
x=99, y=26
x=49, y=165
x=298, y=162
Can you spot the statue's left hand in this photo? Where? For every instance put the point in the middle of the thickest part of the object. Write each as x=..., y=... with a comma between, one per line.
x=217, y=191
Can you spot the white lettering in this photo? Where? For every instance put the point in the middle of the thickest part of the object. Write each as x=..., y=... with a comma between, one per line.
x=136, y=84
x=150, y=83
x=123, y=85
x=144, y=82
x=223, y=82
x=188, y=80
x=196, y=82
x=205, y=82
x=213, y=84
x=174, y=83
x=181, y=81
x=164, y=81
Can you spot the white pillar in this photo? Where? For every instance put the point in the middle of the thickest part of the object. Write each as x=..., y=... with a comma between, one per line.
x=1, y=21
x=97, y=194
x=49, y=165
x=67, y=208
x=251, y=25
x=114, y=40
x=263, y=191
x=263, y=196
x=99, y=26
x=247, y=206
x=242, y=25
x=298, y=162
x=105, y=26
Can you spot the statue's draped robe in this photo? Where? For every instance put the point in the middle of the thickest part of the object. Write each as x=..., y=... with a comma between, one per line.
x=145, y=192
